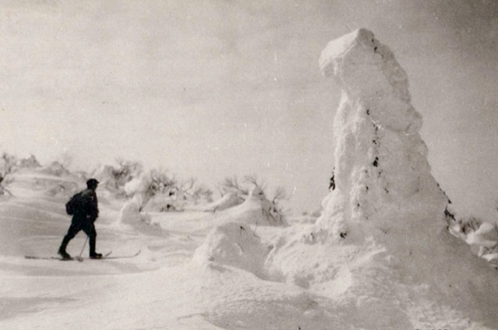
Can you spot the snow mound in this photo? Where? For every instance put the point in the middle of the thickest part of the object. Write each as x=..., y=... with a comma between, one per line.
x=236, y=245
x=381, y=249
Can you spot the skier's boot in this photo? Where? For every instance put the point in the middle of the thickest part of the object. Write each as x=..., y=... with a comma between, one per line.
x=93, y=254
x=64, y=254
x=96, y=256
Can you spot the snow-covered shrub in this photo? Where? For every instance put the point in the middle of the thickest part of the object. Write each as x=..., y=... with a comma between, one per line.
x=160, y=191
x=232, y=185
x=158, y=183
x=461, y=226
x=483, y=239
x=275, y=209
x=30, y=162
x=199, y=194
x=188, y=194
x=55, y=168
x=481, y=236
x=8, y=164
x=114, y=179
x=469, y=224
x=253, y=211
x=161, y=202
x=3, y=183
x=251, y=186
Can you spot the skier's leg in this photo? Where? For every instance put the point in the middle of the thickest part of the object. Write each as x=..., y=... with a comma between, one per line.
x=92, y=237
x=72, y=231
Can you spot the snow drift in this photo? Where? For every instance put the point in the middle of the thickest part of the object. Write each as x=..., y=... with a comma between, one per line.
x=381, y=249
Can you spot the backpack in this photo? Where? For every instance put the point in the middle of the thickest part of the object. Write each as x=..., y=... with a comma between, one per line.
x=74, y=203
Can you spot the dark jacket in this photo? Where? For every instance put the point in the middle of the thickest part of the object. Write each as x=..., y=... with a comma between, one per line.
x=88, y=208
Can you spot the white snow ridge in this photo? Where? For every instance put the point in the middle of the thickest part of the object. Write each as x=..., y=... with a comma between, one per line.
x=380, y=249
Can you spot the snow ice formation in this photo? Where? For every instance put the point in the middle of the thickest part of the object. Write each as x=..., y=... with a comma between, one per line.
x=380, y=248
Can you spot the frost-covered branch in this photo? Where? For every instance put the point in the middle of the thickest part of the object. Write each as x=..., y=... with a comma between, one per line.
x=231, y=185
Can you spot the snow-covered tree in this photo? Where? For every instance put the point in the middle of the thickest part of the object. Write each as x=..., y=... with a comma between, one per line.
x=159, y=190
x=271, y=206
x=125, y=171
x=192, y=191
x=30, y=162
x=8, y=164
x=384, y=225
x=56, y=168
x=114, y=178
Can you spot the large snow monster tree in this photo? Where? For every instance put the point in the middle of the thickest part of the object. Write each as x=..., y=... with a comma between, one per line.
x=381, y=249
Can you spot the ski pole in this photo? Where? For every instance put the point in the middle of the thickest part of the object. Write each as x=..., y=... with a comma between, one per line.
x=79, y=257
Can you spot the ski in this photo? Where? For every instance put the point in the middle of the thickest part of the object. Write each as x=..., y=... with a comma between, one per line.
x=80, y=259
x=106, y=256
x=123, y=256
x=48, y=258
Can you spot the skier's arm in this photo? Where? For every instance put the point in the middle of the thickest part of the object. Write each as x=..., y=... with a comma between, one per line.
x=92, y=209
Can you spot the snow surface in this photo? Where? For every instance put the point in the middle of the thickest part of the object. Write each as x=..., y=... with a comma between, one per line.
x=378, y=257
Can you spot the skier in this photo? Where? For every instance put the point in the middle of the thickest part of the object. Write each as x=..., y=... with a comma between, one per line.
x=332, y=181
x=85, y=213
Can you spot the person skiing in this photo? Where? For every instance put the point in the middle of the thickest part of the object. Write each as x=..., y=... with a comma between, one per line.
x=85, y=211
x=332, y=181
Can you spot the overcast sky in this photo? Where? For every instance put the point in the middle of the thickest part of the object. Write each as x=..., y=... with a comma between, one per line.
x=216, y=88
